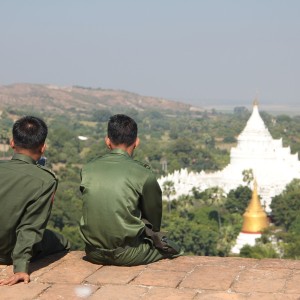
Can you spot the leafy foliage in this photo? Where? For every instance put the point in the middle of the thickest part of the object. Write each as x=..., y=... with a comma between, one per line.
x=238, y=199
x=286, y=206
x=259, y=251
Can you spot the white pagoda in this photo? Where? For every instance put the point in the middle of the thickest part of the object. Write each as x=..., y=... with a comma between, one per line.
x=272, y=165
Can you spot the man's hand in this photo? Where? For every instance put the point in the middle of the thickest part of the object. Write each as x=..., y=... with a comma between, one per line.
x=20, y=276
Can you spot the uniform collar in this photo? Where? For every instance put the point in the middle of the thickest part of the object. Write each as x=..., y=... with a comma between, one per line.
x=119, y=151
x=25, y=158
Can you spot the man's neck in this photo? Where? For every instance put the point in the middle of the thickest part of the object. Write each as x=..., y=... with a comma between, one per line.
x=33, y=155
x=129, y=149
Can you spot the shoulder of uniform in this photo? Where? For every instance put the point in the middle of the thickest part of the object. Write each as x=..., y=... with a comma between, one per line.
x=90, y=163
x=145, y=165
x=47, y=170
x=93, y=159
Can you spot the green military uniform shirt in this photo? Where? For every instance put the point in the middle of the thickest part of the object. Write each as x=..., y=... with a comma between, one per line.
x=117, y=192
x=26, y=195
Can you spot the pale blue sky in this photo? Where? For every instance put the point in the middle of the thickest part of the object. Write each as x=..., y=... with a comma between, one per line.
x=188, y=50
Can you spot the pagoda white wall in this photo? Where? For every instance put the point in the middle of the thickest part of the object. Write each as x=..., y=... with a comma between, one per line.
x=245, y=239
x=273, y=165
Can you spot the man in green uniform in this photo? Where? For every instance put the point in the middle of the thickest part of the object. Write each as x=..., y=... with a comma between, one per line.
x=118, y=192
x=26, y=196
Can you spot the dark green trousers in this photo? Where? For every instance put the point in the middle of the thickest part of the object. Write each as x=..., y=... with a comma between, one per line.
x=51, y=243
x=142, y=254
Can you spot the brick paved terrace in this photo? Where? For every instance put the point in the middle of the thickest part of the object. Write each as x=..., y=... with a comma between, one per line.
x=186, y=277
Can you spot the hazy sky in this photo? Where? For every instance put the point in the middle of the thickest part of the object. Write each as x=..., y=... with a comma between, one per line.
x=189, y=50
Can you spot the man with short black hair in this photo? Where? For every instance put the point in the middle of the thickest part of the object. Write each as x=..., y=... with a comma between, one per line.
x=118, y=193
x=26, y=196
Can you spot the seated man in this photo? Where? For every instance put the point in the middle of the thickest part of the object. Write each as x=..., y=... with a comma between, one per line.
x=118, y=192
x=26, y=196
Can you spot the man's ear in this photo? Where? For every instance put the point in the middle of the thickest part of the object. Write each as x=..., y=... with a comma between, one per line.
x=12, y=144
x=43, y=148
x=137, y=142
x=108, y=142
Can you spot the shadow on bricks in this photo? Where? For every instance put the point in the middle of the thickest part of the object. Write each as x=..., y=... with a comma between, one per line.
x=45, y=261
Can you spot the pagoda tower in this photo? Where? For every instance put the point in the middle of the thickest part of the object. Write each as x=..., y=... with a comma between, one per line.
x=272, y=164
x=255, y=221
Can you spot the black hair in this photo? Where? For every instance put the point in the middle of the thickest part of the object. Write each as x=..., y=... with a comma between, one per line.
x=122, y=129
x=29, y=132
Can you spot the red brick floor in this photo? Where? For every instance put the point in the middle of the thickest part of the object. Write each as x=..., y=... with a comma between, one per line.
x=186, y=277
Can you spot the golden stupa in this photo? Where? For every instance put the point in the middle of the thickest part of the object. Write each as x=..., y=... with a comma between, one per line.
x=255, y=218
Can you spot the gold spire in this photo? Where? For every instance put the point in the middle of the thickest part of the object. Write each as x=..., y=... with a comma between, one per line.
x=255, y=219
x=255, y=101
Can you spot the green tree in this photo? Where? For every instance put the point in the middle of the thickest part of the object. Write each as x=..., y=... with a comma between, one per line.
x=169, y=190
x=229, y=139
x=286, y=206
x=259, y=251
x=193, y=235
x=101, y=115
x=238, y=199
x=241, y=110
x=226, y=240
x=216, y=197
x=248, y=176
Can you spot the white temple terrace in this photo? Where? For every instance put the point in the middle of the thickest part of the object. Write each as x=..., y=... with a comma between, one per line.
x=272, y=164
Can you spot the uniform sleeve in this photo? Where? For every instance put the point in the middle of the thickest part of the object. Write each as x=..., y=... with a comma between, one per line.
x=151, y=202
x=32, y=225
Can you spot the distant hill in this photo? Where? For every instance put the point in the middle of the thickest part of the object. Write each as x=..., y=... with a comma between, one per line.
x=78, y=99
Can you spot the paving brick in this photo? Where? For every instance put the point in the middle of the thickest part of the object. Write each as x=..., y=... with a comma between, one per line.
x=196, y=260
x=279, y=264
x=2, y=267
x=115, y=275
x=292, y=285
x=22, y=291
x=182, y=264
x=169, y=294
x=220, y=296
x=271, y=296
x=70, y=271
x=37, y=268
x=67, y=291
x=211, y=278
x=74, y=255
x=226, y=261
x=6, y=272
x=118, y=292
x=159, y=278
x=238, y=262
x=293, y=264
x=42, y=266
x=264, y=280
x=58, y=258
